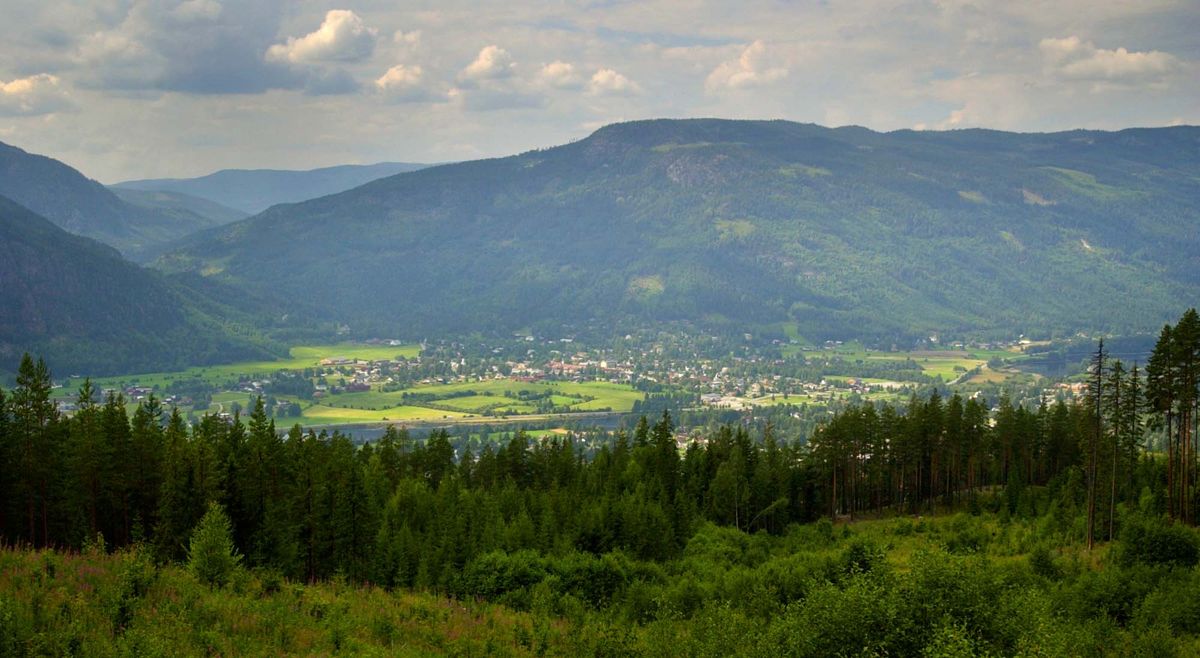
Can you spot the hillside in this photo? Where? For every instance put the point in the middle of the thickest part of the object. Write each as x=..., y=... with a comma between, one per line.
x=86, y=309
x=181, y=204
x=254, y=190
x=85, y=207
x=738, y=224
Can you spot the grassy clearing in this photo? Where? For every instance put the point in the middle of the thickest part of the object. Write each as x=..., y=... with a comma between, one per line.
x=319, y=414
x=605, y=395
x=1086, y=184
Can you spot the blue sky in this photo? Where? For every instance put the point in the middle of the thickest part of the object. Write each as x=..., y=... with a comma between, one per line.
x=129, y=89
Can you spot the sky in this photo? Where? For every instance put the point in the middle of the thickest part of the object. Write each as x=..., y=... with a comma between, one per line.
x=126, y=89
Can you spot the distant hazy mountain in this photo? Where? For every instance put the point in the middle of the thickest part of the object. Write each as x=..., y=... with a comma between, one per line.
x=181, y=204
x=77, y=303
x=84, y=207
x=738, y=224
x=255, y=190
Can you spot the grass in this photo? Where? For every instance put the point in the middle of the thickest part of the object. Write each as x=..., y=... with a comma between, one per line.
x=300, y=357
x=1086, y=184
x=320, y=414
x=66, y=604
x=499, y=397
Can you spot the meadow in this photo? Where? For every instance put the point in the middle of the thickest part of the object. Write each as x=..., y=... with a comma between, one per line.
x=300, y=358
x=434, y=402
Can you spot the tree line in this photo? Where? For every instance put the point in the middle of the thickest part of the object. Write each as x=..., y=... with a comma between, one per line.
x=408, y=512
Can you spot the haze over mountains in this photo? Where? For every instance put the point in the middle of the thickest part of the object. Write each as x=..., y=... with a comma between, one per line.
x=738, y=225
x=254, y=190
x=85, y=308
x=729, y=226
x=85, y=207
x=140, y=218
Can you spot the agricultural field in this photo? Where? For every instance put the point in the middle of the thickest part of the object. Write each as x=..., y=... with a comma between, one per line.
x=950, y=365
x=300, y=357
x=499, y=396
x=236, y=386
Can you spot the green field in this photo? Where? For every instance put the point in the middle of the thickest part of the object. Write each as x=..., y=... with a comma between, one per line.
x=319, y=414
x=491, y=394
x=300, y=357
x=494, y=397
x=947, y=364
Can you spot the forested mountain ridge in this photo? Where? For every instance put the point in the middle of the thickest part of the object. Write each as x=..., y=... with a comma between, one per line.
x=177, y=202
x=80, y=304
x=254, y=190
x=737, y=224
x=83, y=206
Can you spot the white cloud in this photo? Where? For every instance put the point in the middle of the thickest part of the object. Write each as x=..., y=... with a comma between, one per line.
x=492, y=63
x=609, y=82
x=342, y=37
x=1074, y=59
x=37, y=94
x=404, y=83
x=560, y=74
x=756, y=66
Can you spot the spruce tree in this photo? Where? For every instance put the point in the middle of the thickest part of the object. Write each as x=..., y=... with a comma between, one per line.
x=212, y=557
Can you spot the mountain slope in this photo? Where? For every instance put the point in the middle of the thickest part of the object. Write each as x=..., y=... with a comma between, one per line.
x=255, y=190
x=84, y=207
x=737, y=224
x=185, y=205
x=84, y=308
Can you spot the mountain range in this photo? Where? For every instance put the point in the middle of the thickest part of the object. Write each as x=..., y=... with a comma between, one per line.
x=252, y=191
x=86, y=309
x=83, y=206
x=747, y=225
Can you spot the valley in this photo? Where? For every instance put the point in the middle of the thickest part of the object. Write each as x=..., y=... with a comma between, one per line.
x=532, y=382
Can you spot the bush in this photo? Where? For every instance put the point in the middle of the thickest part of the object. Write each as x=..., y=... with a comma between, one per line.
x=212, y=557
x=862, y=556
x=493, y=575
x=1174, y=604
x=1041, y=561
x=855, y=621
x=1156, y=541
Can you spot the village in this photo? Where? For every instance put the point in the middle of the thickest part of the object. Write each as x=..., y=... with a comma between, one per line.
x=385, y=380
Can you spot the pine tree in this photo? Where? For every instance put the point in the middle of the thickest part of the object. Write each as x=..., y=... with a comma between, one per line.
x=1116, y=422
x=1096, y=397
x=35, y=419
x=212, y=557
x=89, y=457
x=7, y=462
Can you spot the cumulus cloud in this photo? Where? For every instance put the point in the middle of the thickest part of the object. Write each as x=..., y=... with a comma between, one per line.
x=560, y=74
x=37, y=94
x=1074, y=59
x=342, y=37
x=492, y=63
x=609, y=82
x=403, y=83
x=198, y=46
x=756, y=66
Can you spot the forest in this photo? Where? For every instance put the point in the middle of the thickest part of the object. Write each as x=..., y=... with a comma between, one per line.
x=945, y=527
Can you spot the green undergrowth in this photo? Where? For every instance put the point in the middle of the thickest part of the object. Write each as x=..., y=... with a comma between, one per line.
x=952, y=585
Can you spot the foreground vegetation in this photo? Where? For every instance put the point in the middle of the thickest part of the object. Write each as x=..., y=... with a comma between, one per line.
x=958, y=585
